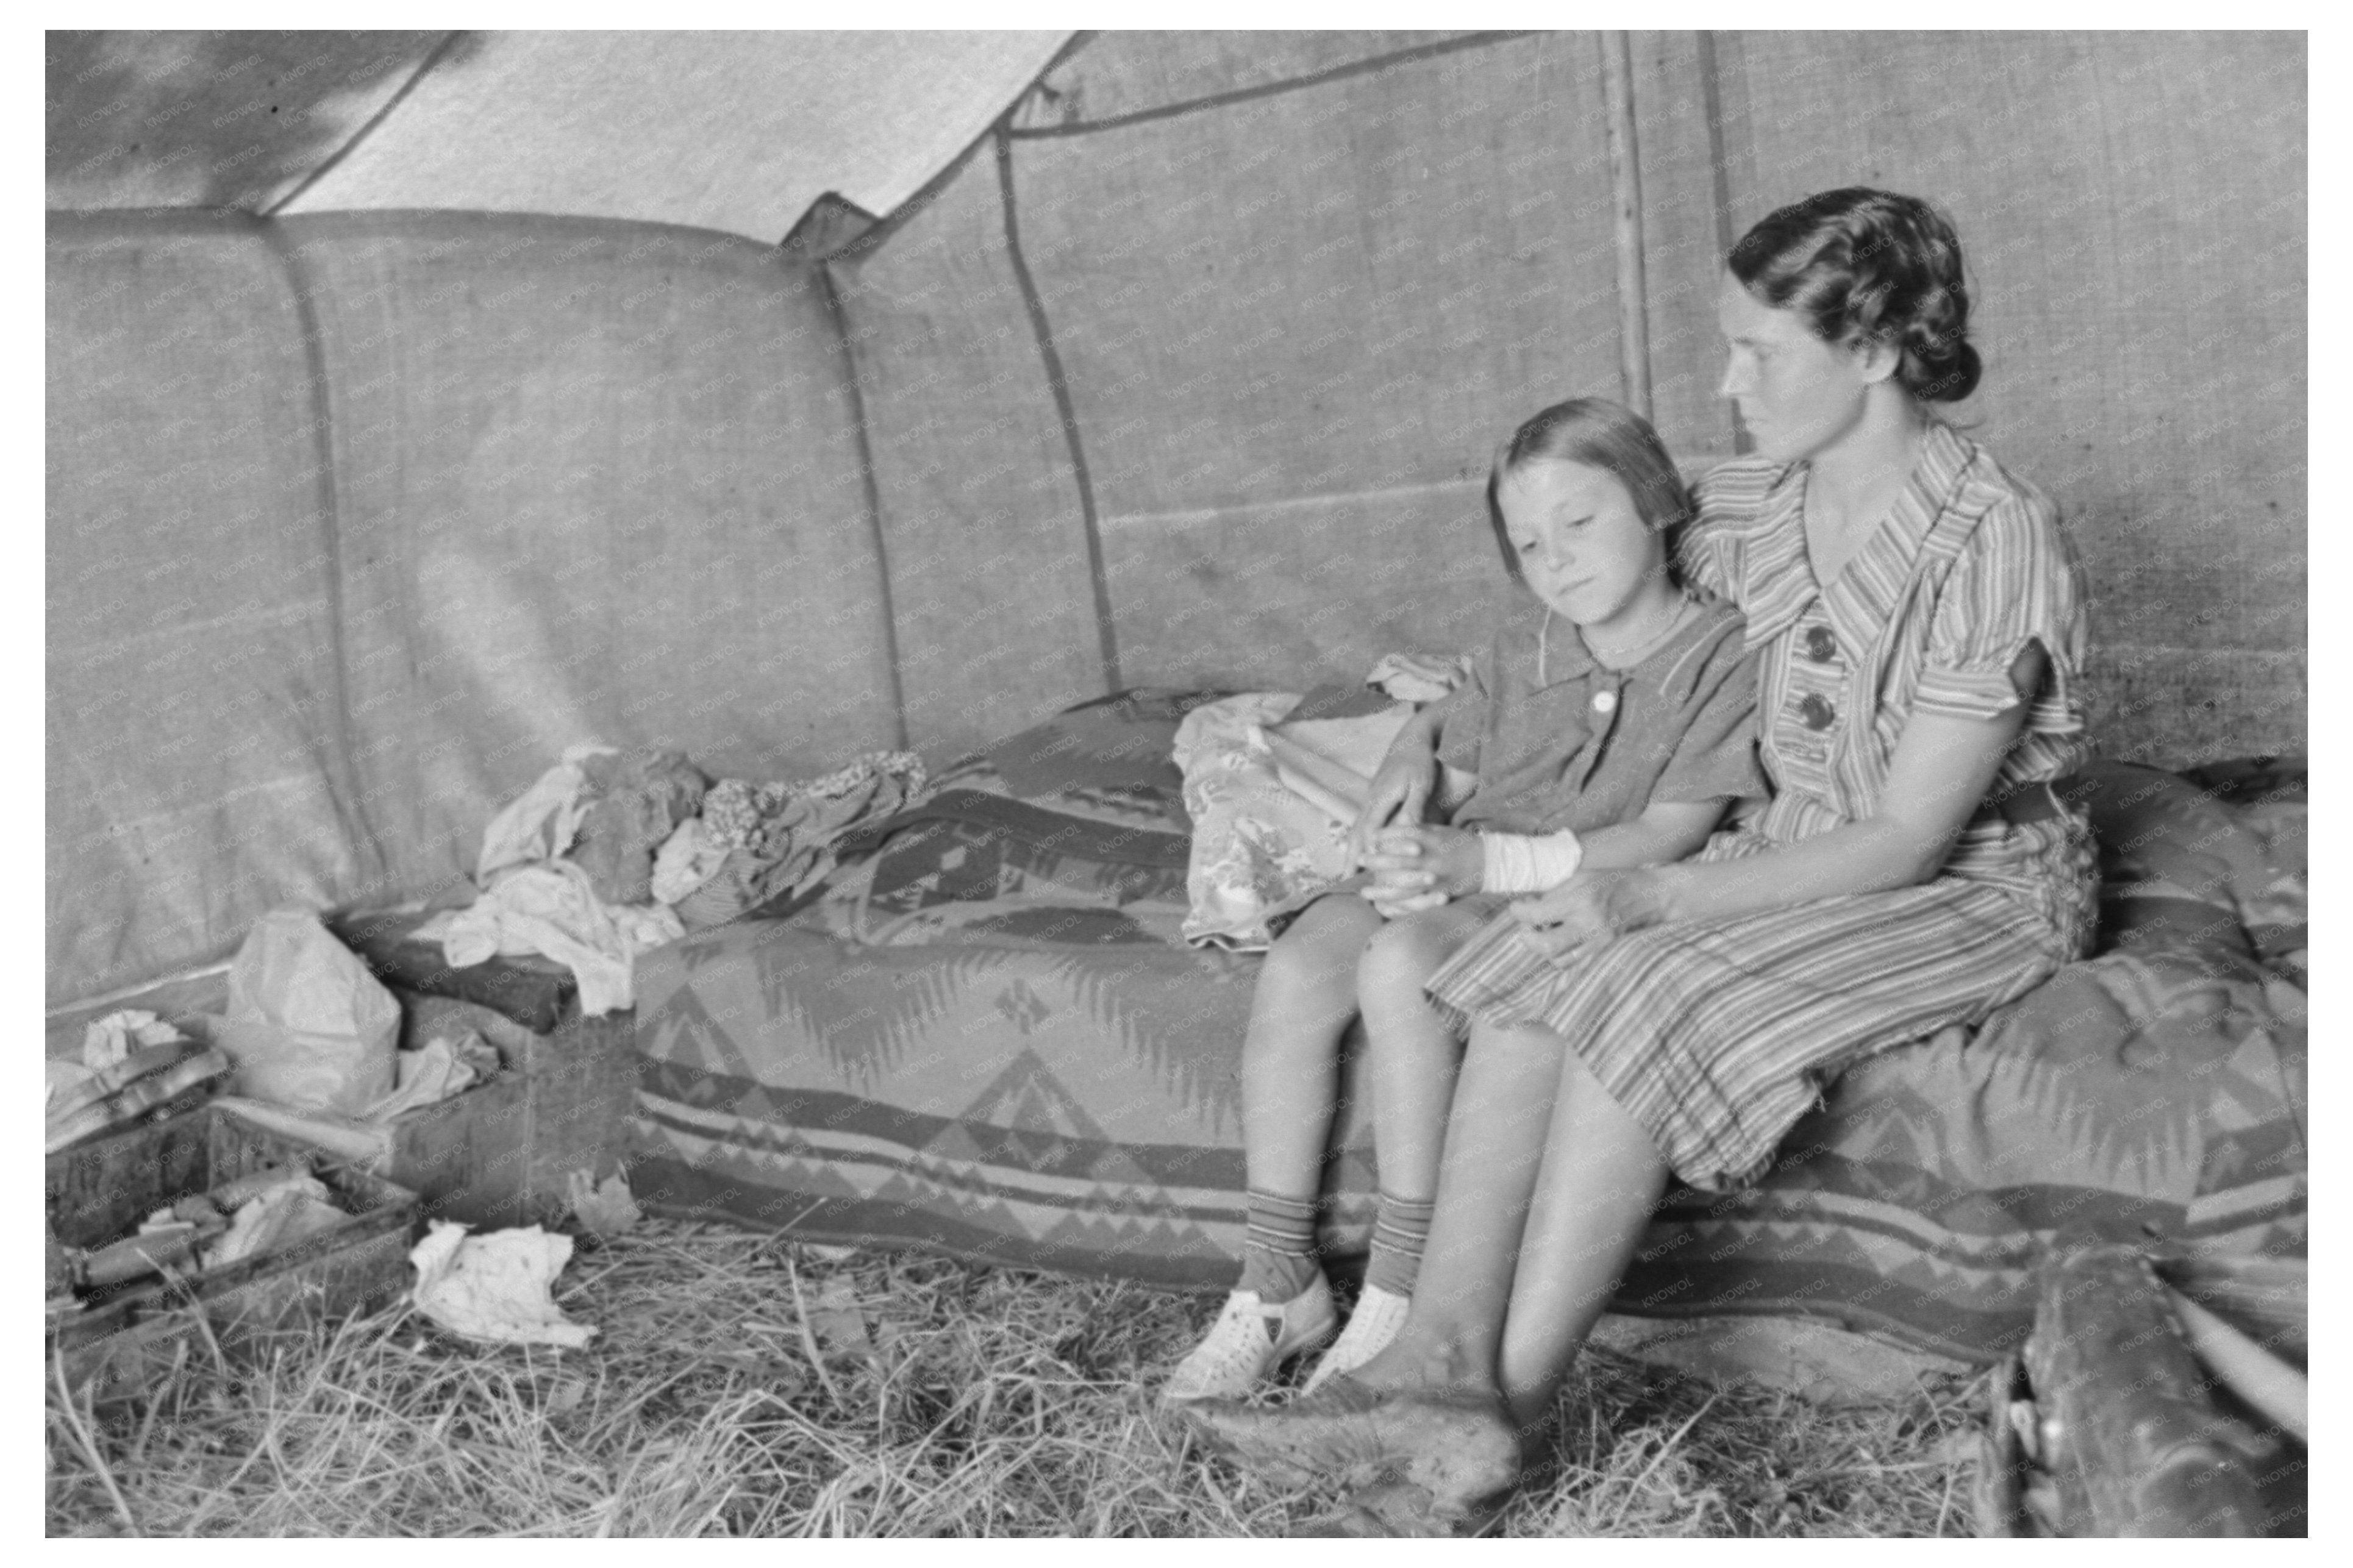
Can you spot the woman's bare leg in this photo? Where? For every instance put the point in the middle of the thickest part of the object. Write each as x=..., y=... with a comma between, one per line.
x=1496, y=1134
x=1601, y=1181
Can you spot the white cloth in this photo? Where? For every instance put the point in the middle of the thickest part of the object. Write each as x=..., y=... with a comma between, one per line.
x=541, y=823
x=550, y=909
x=495, y=1287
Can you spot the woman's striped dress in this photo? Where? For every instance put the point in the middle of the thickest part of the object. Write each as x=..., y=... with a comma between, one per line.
x=1716, y=1034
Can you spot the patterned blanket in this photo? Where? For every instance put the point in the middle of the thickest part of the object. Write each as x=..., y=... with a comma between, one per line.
x=984, y=1036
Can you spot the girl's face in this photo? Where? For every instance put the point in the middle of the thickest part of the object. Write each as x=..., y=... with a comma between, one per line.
x=1797, y=393
x=1582, y=546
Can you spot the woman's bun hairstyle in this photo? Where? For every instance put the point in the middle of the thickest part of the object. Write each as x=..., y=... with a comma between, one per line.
x=1860, y=263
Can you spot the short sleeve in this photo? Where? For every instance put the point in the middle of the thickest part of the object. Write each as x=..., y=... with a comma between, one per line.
x=1462, y=712
x=1715, y=756
x=2016, y=584
x=1709, y=553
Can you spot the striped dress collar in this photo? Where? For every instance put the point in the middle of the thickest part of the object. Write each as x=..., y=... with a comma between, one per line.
x=1780, y=576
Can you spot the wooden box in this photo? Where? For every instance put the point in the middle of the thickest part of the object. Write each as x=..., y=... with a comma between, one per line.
x=100, y=1189
x=501, y=1153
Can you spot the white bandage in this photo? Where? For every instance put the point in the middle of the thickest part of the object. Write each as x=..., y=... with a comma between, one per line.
x=1518, y=864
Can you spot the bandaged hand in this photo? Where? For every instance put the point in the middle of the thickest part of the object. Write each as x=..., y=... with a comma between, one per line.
x=1421, y=867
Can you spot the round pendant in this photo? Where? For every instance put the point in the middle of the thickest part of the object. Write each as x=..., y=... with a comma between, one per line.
x=1605, y=702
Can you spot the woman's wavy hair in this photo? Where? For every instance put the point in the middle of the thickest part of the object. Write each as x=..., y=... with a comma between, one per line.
x=1864, y=264
x=1602, y=434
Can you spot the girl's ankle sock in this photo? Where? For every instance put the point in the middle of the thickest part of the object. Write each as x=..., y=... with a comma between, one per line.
x=1400, y=1230
x=1278, y=1254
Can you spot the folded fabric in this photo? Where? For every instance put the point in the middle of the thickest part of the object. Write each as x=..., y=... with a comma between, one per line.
x=1417, y=677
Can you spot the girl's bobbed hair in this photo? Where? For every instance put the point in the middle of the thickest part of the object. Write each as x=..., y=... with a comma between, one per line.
x=1602, y=434
x=1864, y=264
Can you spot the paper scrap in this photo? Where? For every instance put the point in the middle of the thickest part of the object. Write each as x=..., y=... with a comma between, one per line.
x=495, y=1287
x=116, y=1036
x=608, y=1209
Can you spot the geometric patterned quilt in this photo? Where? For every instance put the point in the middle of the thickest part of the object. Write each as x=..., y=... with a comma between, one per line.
x=984, y=1038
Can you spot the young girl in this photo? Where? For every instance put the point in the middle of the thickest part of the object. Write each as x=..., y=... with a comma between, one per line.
x=1609, y=724
x=1921, y=622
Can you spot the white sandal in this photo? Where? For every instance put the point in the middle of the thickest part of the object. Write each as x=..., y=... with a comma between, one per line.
x=1250, y=1339
x=1379, y=1315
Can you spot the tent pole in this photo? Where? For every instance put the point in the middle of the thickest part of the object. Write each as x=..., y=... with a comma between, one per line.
x=1626, y=215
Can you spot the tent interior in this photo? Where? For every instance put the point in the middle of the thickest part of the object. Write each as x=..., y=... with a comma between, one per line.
x=419, y=405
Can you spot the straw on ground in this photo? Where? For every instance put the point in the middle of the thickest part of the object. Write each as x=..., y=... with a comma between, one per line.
x=747, y=1385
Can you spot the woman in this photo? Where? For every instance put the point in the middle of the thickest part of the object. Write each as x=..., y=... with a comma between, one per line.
x=1921, y=624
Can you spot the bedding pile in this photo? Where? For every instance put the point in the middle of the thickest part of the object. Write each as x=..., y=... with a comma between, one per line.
x=610, y=856
x=986, y=1034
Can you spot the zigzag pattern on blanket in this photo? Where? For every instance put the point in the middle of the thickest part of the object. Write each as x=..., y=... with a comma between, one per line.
x=1070, y=1104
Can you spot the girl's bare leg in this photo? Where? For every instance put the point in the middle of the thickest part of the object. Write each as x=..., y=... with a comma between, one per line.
x=1414, y=1054
x=1290, y=1054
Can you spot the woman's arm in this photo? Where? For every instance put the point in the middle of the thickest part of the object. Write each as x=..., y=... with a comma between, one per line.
x=1936, y=781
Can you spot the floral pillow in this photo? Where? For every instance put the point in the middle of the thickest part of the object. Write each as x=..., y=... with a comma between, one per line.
x=1263, y=849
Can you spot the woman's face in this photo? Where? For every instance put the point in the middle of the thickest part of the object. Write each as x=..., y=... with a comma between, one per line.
x=1583, y=547
x=1797, y=394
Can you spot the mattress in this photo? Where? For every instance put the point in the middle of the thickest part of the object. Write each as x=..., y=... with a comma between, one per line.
x=984, y=1036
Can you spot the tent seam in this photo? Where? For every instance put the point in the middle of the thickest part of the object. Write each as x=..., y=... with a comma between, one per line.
x=1719, y=168
x=1058, y=385
x=287, y=250
x=872, y=486
x=433, y=57
x=1268, y=90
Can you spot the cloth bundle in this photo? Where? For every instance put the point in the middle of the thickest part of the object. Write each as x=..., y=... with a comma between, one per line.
x=756, y=842
x=608, y=855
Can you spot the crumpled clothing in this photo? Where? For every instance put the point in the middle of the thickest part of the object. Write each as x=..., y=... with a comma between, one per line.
x=687, y=858
x=551, y=908
x=294, y=1208
x=1261, y=850
x=495, y=1287
x=634, y=804
x=444, y=1065
x=778, y=838
x=541, y=823
x=1417, y=677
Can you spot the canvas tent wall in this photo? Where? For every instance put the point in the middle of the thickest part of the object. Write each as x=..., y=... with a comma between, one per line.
x=1183, y=370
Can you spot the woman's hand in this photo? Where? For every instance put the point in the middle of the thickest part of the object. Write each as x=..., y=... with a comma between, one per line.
x=1399, y=795
x=1420, y=868
x=1590, y=906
